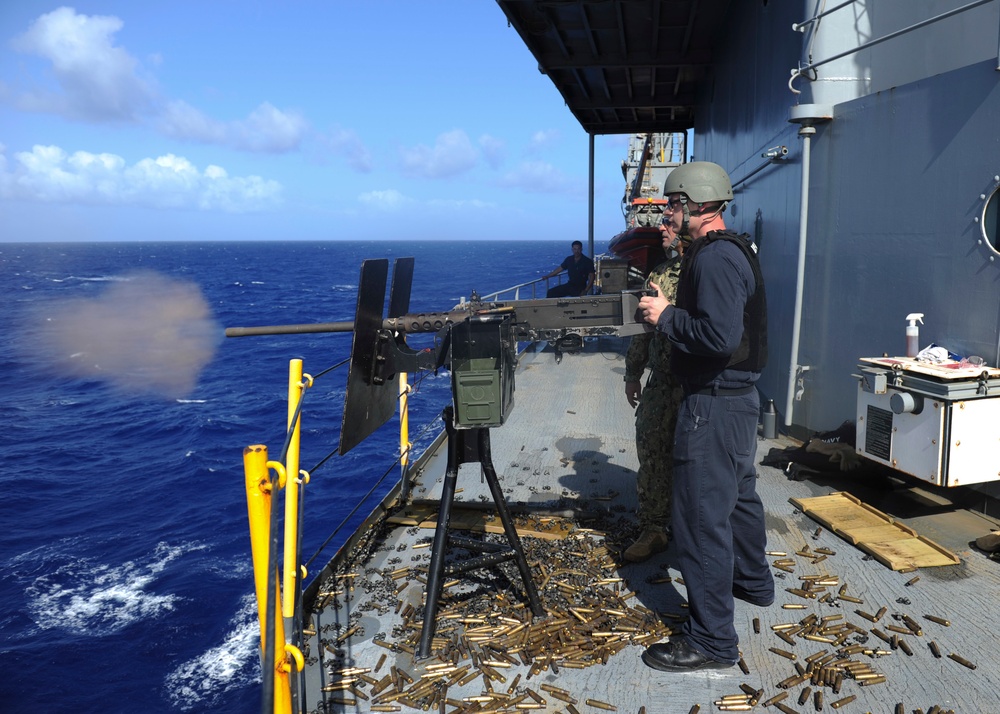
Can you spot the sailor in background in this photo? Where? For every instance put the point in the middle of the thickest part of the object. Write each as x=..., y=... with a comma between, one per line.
x=580, y=274
x=656, y=414
x=718, y=329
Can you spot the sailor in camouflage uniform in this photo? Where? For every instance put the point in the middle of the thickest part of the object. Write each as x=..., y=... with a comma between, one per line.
x=656, y=415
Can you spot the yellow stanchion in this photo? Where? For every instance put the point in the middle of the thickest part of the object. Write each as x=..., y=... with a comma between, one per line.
x=296, y=390
x=404, y=422
x=259, y=489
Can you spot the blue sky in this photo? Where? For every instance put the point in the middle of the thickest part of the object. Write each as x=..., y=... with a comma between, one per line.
x=218, y=119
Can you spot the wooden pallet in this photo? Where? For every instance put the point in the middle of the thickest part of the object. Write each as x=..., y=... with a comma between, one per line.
x=891, y=543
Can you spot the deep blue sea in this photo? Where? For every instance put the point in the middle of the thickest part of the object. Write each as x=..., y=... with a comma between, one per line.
x=127, y=581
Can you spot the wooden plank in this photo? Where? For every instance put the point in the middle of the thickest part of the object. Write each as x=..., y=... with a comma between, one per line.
x=480, y=522
x=892, y=544
x=949, y=369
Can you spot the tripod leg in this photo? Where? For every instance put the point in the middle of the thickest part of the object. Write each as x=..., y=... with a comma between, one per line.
x=508, y=524
x=435, y=573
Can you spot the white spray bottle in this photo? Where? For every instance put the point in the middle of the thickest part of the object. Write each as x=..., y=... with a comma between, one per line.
x=913, y=333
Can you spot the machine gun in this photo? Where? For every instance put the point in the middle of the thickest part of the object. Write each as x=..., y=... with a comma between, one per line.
x=478, y=340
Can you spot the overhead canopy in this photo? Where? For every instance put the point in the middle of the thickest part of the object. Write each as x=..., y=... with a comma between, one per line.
x=622, y=66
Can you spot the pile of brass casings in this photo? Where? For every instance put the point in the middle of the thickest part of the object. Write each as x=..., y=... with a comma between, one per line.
x=591, y=616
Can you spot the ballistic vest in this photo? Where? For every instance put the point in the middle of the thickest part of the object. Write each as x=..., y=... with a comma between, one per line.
x=751, y=354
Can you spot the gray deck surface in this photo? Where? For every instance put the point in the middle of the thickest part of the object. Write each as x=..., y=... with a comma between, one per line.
x=569, y=444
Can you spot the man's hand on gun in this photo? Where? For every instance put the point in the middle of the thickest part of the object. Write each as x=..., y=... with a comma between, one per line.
x=651, y=307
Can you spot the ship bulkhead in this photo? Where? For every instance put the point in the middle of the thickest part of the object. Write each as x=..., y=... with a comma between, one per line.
x=889, y=182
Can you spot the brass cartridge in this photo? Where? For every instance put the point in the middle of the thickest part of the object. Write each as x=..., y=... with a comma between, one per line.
x=775, y=699
x=841, y=702
x=782, y=653
x=804, y=697
x=935, y=650
x=938, y=620
x=598, y=704
x=962, y=661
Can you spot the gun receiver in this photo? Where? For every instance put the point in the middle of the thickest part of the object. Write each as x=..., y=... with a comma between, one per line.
x=478, y=340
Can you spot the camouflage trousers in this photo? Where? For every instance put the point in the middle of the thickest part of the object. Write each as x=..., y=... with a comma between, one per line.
x=655, y=422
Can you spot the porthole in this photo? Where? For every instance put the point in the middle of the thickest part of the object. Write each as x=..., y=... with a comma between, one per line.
x=991, y=220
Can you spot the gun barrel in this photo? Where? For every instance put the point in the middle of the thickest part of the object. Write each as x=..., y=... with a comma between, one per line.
x=347, y=326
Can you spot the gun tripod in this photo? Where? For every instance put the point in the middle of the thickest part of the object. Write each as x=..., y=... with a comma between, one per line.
x=468, y=446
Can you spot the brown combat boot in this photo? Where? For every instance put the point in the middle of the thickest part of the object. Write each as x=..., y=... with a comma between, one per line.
x=650, y=541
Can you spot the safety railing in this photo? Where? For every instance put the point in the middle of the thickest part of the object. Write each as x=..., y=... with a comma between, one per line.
x=279, y=590
x=524, y=291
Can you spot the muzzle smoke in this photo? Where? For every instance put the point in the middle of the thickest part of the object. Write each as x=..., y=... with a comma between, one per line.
x=146, y=334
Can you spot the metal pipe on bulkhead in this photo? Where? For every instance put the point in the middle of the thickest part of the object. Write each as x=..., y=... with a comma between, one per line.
x=590, y=198
x=806, y=132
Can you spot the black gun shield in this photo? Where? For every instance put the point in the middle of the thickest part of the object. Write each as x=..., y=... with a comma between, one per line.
x=402, y=282
x=367, y=405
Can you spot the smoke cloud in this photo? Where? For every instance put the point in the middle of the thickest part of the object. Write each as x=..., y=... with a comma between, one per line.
x=145, y=334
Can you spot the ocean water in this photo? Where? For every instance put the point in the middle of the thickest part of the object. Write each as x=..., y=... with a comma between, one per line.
x=127, y=581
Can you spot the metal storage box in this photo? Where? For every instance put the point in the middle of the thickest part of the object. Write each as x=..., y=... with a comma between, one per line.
x=940, y=423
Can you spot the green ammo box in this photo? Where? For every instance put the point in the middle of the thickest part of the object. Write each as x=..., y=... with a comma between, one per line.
x=482, y=367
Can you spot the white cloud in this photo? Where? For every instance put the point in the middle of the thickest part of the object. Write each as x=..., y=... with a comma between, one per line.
x=474, y=204
x=50, y=174
x=97, y=81
x=541, y=140
x=388, y=200
x=494, y=150
x=347, y=143
x=452, y=154
x=267, y=129
x=539, y=177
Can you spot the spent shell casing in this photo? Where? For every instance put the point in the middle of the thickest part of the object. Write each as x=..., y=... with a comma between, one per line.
x=935, y=650
x=784, y=709
x=804, y=696
x=783, y=653
x=874, y=680
x=938, y=620
x=743, y=666
x=598, y=704
x=911, y=581
x=962, y=661
x=775, y=699
x=818, y=700
x=694, y=709
x=841, y=702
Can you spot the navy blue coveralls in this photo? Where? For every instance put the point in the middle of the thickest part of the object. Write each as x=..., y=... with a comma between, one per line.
x=718, y=519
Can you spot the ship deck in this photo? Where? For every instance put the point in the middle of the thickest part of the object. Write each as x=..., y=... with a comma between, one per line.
x=566, y=461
